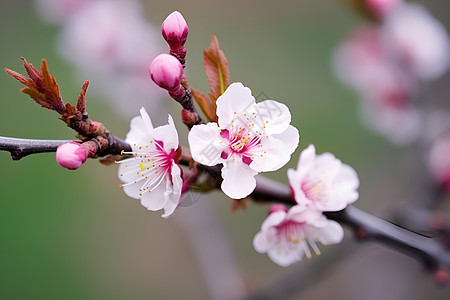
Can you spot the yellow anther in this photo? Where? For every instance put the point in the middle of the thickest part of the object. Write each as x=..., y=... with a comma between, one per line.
x=142, y=166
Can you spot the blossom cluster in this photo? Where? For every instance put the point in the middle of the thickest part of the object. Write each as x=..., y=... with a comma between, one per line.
x=320, y=183
x=385, y=61
x=247, y=138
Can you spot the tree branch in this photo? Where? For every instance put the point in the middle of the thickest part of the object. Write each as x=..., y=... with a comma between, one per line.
x=366, y=226
x=23, y=147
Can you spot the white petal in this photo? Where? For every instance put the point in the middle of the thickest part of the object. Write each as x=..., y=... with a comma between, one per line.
x=307, y=157
x=132, y=190
x=273, y=220
x=173, y=197
x=290, y=137
x=332, y=233
x=125, y=170
x=236, y=99
x=139, y=133
x=285, y=257
x=275, y=116
x=205, y=144
x=238, y=179
x=261, y=243
x=146, y=119
x=154, y=200
x=270, y=156
x=168, y=135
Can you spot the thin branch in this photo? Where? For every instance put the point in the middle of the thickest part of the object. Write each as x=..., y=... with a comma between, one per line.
x=23, y=147
x=366, y=226
x=433, y=254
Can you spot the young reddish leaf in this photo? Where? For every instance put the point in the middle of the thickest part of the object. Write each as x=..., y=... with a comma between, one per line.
x=216, y=68
x=205, y=104
x=25, y=81
x=81, y=102
x=236, y=204
x=42, y=87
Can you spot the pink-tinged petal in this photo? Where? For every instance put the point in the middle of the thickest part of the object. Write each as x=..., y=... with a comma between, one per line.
x=146, y=119
x=332, y=233
x=273, y=220
x=294, y=180
x=206, y=145
x=347, y=183
x=327, y=164
x=290, y=138
x=275, y=116
x=237, y=99
x=269, y=155
x=238, y=179
x=285, y=258
x=173, y=196
x=262, y=243
x=168, y=134
x=305, y=213
x=154, y=200
x=307, y=157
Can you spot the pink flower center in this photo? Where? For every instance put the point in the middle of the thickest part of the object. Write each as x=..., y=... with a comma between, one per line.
x=291, y=231
x=154, y=165
x=240, y=142
x=314, y=191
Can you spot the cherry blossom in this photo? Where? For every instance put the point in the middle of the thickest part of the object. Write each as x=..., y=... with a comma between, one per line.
x=249, y=138
x=287, y=235
x=152, y=174
x=419, y=41
x=323, y=181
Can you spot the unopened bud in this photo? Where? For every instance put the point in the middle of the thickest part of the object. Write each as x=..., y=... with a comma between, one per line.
x=381, y=8
x=166, y=71
x=277, y=207
x=174, y=29
x=71, y=155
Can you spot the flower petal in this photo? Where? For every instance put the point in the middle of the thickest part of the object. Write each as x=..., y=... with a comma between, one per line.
x=205, y=144
x=236, y=99
x=290, y=137
x=332, y=233
x=285, y=257
x=238, y=179
x=275, y=116
x=146, y=119
x=270, y=155
x=168, y=134
x=154, y=200
x=306, y=157
x=139, y=133
x=173, y=194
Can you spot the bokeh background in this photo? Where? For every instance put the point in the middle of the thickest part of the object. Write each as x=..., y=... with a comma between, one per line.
x=75, y=235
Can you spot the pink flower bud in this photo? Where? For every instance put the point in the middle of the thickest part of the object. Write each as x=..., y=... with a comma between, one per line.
x=71, y=155
x=382, y=7
x=166, y=71
x=277, y=207
x=175, y=30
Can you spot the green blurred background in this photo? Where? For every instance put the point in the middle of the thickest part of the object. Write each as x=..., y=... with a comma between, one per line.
x=75, y=235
